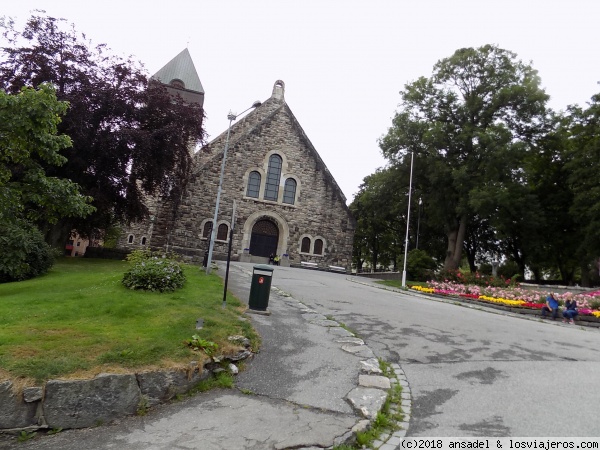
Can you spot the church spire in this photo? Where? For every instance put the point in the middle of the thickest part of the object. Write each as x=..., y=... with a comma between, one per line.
x=180, y=77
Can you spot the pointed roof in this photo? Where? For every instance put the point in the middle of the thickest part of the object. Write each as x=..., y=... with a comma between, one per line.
x=180, y=68
x=256, y=120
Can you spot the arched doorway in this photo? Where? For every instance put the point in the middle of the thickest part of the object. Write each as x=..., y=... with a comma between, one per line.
x=264, y=238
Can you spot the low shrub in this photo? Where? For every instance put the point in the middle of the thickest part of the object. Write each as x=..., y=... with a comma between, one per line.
x=153, y=272
x=476, y=278
x=509, y=269
x=420, y=265
x=25, y=254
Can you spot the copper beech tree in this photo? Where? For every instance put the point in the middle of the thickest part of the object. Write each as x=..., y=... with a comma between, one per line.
x=130, y=137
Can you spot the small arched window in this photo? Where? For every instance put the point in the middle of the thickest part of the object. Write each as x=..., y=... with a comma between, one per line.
x=273, y=176
x=130, y=239
x=289, y=191
x=178, y=84
x=222, y=232
x=305, y=248
x=143, y=241
x=253, y=184
x=207, y=229
x=318, y=247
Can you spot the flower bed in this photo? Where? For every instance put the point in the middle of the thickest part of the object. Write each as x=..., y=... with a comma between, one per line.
x=511, y=297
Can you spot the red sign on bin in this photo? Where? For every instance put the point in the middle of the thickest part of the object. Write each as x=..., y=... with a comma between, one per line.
x=261, y=280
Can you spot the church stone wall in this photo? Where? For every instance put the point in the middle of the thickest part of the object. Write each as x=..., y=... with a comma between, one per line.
x=319, y=210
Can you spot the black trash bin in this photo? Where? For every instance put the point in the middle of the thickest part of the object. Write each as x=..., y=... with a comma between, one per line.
x=261, y=287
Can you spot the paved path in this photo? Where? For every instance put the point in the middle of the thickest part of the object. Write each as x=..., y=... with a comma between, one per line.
x=472, y=372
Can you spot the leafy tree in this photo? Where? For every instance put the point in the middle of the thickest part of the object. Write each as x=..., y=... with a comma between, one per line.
x=470, y=125
x=480, y=242
x=581, y=161
x=28, y=196
x=553, y=242
x=380, y=212
x=28, y=143
x=130, y=137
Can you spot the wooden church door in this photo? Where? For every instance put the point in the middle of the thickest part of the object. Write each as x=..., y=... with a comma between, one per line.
x=264, y=239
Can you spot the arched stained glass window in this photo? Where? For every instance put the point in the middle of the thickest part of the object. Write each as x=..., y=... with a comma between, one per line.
x=289, y=191
x=222, y=232
x=207, y=229
x=305, y=248
x=318, y=247
x=273, y=176
x=253, y=184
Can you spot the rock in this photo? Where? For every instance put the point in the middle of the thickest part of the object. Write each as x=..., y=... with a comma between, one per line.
x=361, y=426
x=161, y=386
x=339, y=331
x=88, y=403
x=359, y=350
x=15, y=413
x=370, y=365
x=350, y=340
x=242, y=354
x=313, y=316
x=376, y=381
x=240, y=340
x=233, y=369
x=367, y=400
x=32, y=394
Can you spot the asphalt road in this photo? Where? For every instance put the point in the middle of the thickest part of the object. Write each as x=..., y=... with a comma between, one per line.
x=472, y=372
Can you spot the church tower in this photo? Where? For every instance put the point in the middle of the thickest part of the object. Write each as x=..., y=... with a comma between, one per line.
x=180, y=77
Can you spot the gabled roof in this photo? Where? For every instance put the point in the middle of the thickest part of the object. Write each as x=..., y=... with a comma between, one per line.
x=257, y=119
x=180, y=68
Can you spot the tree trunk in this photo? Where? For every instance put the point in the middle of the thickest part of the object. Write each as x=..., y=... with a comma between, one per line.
x=374, y=254
x=537, y=274
x=471, y=260
x=456, y=239
x=585, y=275
x=57, y=234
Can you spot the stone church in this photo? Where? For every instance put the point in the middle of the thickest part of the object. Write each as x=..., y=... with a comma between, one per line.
x=287, y=203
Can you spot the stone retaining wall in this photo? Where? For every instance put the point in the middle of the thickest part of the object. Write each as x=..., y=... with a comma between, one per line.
x=380, y=275
x=92, y=402
x=88, y=403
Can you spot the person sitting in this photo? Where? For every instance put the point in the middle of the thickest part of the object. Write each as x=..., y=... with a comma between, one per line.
x=271, y=258
x=276, y=260
x=570, y=311
x=550, y=306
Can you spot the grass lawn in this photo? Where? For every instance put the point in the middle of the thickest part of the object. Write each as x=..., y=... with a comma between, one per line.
x=398, y=283
x=79, y=320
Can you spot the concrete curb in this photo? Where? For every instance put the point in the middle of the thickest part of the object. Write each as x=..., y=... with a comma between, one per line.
x=389, y=439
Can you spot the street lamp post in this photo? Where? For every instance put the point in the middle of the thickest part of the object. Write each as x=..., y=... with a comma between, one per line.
x=407, y=220
x=419, y=221
x=231, y=116
x=229, y=255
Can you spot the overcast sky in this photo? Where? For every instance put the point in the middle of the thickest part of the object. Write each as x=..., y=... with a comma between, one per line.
x=343, y=61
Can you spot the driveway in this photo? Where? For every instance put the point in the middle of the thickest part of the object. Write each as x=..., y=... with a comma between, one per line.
x=472, y=372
